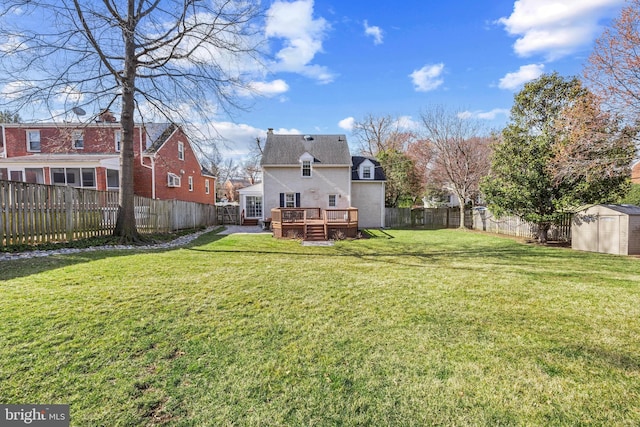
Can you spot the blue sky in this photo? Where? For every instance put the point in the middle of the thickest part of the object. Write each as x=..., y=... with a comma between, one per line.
x=338, y=61
x=330, y=62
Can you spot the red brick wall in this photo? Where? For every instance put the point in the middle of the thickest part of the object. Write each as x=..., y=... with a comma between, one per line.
x=635, y=173
x=99, y=138
x=167, y=161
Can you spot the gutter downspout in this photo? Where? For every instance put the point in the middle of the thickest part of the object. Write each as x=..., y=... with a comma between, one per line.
x=153, y=177
x=152, y=167
x=4, y=143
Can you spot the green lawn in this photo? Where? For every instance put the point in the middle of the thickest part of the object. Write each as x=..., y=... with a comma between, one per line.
x=406, y=328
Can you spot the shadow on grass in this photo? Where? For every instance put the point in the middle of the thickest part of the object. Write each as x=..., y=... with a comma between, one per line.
x=402, y=254
x=12, y=269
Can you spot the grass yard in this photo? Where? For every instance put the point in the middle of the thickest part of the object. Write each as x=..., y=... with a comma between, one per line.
x=409, y=328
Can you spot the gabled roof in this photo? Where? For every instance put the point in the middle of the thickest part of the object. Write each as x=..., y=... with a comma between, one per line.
x=287, y=149
x=378, y=174
x=158, y=133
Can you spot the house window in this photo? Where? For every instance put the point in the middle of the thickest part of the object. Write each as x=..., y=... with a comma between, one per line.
x=181, y=150
x=16, y=176
x=78, y=139
x=206, y=186
x=74, y=177
x=33, y=140
x=34, y=175
x=332, y=200
x=88, y=177
x=366, y=172
x=173, y=180
x=190, y=183
x=289, y=200
x=118, y=139
x=254, y=206
x=113, y=179
x=306, y=168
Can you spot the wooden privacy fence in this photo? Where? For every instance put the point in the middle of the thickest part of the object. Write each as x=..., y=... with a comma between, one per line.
x=478, y=219
x=431, y=218
x=484, y=220
x=37, y=213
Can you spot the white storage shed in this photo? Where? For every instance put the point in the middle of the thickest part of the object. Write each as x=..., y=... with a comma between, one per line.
x=611, y=229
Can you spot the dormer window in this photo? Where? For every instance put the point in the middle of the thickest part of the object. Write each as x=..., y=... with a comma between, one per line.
x=306, y=162
x=306, y=168
x=366, y=170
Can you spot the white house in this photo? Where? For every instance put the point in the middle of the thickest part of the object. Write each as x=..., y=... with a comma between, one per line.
x=317, y=173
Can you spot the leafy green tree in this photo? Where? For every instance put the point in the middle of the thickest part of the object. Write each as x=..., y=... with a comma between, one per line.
x=633, y=196
x=535, y=171
x=7, y=116
x=403, y=179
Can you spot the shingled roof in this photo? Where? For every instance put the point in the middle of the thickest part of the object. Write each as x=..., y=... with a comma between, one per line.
x=378, y=173
x=287, y=149
x=157, y=134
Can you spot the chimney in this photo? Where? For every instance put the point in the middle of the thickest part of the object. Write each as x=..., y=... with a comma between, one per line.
x=270, y=131
x=107, y=116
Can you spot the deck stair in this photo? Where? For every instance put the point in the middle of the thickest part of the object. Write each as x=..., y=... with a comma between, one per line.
x=315, y=232
x=250, y=221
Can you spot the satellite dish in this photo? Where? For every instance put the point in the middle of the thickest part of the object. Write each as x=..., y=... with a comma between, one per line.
x=79, y=111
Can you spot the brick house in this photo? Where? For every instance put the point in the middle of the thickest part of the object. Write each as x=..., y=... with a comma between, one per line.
x=87, y=156
x=635, y=172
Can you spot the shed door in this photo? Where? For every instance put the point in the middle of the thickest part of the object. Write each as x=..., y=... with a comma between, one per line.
x=609, y=235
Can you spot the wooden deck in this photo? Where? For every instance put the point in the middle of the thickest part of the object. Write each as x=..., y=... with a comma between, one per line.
x=314, y=223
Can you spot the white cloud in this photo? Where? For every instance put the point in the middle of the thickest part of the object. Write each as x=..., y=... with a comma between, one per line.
x=407, y=123
x=525, y=74
x=238, y=138
x=483, y=115
x=302, y=36
x=347, y=124
x=13, y=90
x=69, y=94
x=12, y=44
x=556, y=28
x=267, y=89
x=373, y=31
x=428, y=77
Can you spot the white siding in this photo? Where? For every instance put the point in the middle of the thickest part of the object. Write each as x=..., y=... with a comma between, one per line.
x=314, y=191
x=368, y=197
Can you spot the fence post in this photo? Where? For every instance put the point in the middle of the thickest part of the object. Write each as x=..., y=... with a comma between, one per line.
x=68, y=207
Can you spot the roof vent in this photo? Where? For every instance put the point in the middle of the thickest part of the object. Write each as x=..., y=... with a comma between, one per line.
x=308, y=138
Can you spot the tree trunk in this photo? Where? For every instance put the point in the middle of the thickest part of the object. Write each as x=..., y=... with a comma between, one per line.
x=126, y=222
x=543, y=231
x=462, y=226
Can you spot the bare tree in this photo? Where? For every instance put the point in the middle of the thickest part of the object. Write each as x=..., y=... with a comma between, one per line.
x=613, y=66
x=251, y=167
x=593, y=146
x=461, y=154
x=169, y=59
x=380, y=133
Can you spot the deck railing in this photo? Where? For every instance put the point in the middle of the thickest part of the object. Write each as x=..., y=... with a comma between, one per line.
x=300, y=220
